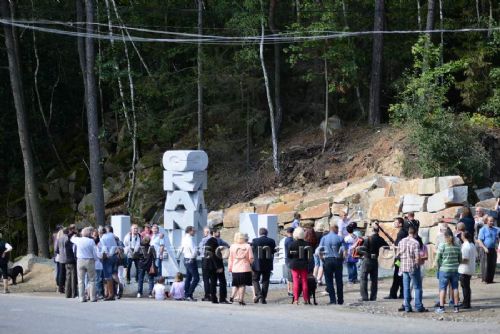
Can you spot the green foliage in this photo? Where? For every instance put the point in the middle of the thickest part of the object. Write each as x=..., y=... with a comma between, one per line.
x=446, y=143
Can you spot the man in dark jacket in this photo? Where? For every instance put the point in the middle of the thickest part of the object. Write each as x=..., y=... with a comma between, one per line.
x=71, y=288
x=213, y=265
x=397, y=281
x=369, y=266
x=263, y=253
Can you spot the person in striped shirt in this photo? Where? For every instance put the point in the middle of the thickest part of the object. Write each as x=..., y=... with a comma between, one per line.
x=448, y=259
x=409, y=253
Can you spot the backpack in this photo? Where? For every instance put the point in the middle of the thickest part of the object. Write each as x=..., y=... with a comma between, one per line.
x=356, y=254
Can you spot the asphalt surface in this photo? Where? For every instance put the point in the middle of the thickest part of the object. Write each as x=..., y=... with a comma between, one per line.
x=24, y=313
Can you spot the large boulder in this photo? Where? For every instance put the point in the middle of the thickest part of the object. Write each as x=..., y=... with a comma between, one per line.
x=215, y=218
x=338, y=209
x=86, y=205
x=446, y=198
x=487, y=204
x=385, y=209
x=231, y=217
x=495, y=188
x=292, y=197
x=428, y=186
x=316, y=211
x=337, y=187
x=322, y=224
x=426, y=219
x=404, y=187
x=484, y=193
x=354, y=189
x=264, y=199
x=280, y=207
x=414, y=203
x=446, y=182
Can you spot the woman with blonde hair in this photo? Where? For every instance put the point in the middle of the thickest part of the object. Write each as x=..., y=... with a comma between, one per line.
x=240, y=265
x=299, y=255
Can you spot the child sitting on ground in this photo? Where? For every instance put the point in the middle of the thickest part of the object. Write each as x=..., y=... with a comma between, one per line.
x=177, y=289
x=159, y=290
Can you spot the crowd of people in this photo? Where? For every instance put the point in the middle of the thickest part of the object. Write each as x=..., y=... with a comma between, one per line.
x=95, y=264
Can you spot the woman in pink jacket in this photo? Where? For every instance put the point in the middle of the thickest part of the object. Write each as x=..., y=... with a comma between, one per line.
x=240, y=265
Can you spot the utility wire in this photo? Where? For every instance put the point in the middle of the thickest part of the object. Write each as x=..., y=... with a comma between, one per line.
x=186, y=38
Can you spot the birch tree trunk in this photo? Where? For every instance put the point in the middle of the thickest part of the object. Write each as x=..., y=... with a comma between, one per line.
x=23, y=130
x=93, y=119
x=274, y=137
x=419, y=15
x=376, y=73
x=277, y=68
x=325, y=130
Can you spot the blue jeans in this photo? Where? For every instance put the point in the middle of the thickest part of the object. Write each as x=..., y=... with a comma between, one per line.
x=140, y=283
x=98, y=282
x=416, y=278
x=158, y=267
x=352, y=271
x=448, y=277
x=192, y=277
x=332, y=267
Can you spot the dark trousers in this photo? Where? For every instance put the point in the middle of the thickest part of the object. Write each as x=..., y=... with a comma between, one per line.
x=221, y=277
x=397, y=284
x=131, y=261
x=369, y=267
x=465, y=283
x=332, y=267
x=261, y=291
x=61, y=276
x=207, y=276
x=192, y=277
x=140, y=283
x=71, y=288
x=488, y=264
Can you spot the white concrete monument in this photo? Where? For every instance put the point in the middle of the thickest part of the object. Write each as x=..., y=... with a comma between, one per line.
x=121, y=225
x=184, y=180
x=250, y=223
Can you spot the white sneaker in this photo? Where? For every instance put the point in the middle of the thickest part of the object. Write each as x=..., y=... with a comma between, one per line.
x=139, y=295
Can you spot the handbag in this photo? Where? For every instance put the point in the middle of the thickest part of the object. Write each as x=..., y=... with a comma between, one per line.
x=152, y=268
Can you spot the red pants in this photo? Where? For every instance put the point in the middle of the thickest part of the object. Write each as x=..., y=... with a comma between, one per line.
x=300, y=278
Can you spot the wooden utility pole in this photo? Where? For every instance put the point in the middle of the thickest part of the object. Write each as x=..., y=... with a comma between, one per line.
x=200, y=81
x=377, y=54
x=93, y=118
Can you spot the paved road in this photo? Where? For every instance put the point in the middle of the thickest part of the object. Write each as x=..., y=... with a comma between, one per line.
x=25, y=314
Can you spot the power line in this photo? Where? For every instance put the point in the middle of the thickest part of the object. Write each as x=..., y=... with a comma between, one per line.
x=187, y=38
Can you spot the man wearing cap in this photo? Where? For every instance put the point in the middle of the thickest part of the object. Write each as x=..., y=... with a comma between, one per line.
x=188, y=248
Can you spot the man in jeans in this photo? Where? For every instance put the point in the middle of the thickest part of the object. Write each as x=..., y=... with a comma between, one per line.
x=330, y=251
x=409, y=253
x=132, y=241
x=190, y=253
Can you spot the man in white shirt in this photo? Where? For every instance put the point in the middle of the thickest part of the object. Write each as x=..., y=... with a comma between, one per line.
x=132, y=241
x=190, y=253
x=5, y=249
x=158, y=242
x=467, y=267
x=85, y=263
